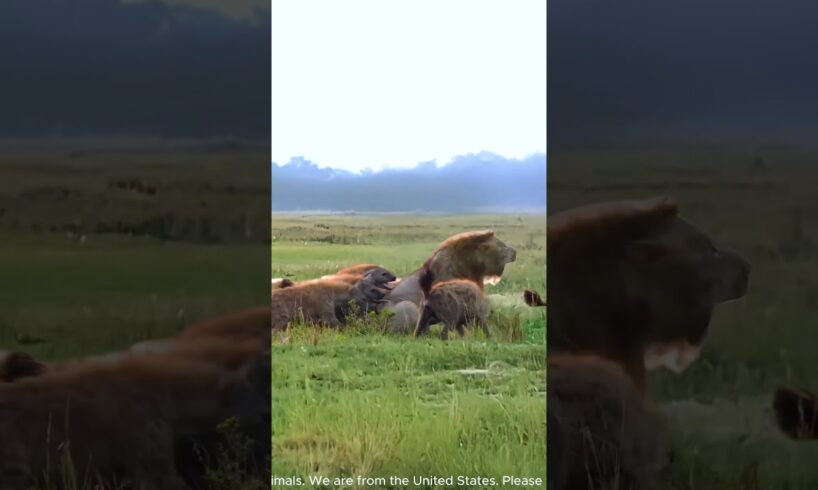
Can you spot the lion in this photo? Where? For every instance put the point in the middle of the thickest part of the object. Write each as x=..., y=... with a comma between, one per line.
x=455, y=303
x=478, y=256
x=117, y=421
x=636, y=283
x=796, y=412
x=603, y=429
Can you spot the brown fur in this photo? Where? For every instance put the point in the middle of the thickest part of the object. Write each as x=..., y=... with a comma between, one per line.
x=600, y=426
x=357, y=269
x=116, y=420
x=211, y=350
x=631, y=274
x=313, y=302
x=17, y=365
x=281, y=283
x=248, y=358
x=455, y=304
x=796, y=412
x=347, y=278
x=214, y=343
x=598, y=217
x=353, y=276
x=232, y=355
x=321, y=302
x=474, y=255
x=215, y=351
x=252, y=323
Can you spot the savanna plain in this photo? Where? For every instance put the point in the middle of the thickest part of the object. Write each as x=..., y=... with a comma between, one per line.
x=362, y=402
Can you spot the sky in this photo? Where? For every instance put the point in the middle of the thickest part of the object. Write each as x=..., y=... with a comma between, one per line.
x=641, y=72
x=175, y=69
x=371, y=84
x=238, y=9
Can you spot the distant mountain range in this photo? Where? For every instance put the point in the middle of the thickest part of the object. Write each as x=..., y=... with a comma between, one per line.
x=482, y=182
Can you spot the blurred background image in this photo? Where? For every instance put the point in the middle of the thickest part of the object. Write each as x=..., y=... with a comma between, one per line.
x=711, y=104
x=134, y=204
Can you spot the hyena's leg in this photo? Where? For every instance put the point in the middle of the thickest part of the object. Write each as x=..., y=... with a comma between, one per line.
x=461, y=327
x=444, y=334
x=425, y=319
x=449, y=323
x=329, y=318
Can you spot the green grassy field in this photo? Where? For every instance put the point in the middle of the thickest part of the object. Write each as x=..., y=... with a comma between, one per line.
x=360, y=403
x=760, y=202
x=61, y=301
x=103, y=248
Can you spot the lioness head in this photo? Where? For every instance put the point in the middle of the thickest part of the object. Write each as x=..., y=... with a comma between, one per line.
x=634, y=280
x=476, y=255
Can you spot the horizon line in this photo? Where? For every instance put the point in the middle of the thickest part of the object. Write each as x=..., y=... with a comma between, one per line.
x=434, y=162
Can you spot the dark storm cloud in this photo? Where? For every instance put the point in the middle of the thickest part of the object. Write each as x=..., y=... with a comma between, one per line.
x=100, y=67
x=646, y=70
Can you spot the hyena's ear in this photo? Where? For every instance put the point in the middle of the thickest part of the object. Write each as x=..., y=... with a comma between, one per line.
x=18, y=365
x=796, y=412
